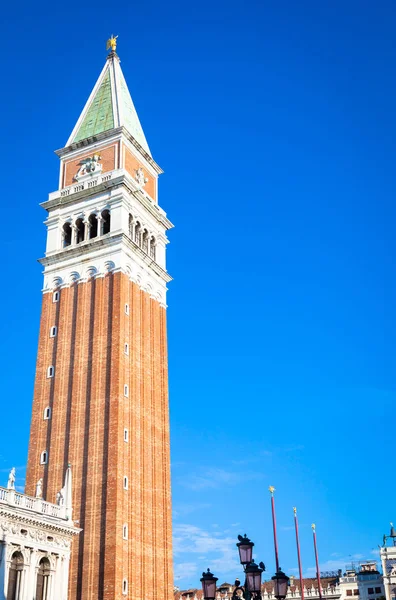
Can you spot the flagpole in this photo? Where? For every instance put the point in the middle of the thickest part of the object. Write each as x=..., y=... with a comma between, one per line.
x=272, y=490
x=317, y=560
x=298, y=553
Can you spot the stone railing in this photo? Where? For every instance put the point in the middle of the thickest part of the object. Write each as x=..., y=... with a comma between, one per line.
x=84, y=185
x=38, y=505
x=95, y=180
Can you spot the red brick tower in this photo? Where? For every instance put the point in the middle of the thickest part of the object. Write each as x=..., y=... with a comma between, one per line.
x=101, y=389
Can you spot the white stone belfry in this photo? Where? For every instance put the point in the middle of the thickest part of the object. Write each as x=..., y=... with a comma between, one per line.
x=105, y=214
x=35, y=545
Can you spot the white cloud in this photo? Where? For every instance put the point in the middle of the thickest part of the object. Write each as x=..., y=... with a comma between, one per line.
x=214, y=550
x=184, y=508
x=333, y=564
x=186, y=570
x=212, y=478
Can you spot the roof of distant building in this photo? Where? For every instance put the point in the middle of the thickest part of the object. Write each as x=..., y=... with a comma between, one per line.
x=267, y=586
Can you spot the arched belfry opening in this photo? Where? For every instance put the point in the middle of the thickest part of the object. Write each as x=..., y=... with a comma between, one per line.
x=152, y=248
x=80, y=233
x=106, y=221
x=145, y=241
x=138, y=233
x=67, y=235
x=93, y=226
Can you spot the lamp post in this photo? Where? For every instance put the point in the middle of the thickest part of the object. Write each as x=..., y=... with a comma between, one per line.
x=208, y=581
x=251, y=590
x=253, y=578
x=245, y=549
x=252, y=587
x=281, y=583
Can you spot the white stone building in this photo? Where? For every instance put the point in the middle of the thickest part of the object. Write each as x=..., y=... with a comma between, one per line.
x=365, y=582
x=35, y=543
x=388, y=560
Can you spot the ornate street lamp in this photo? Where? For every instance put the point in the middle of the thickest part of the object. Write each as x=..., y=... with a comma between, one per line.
x=281, y=582
x=253, y=578
x=245, y=548
x=208, y=581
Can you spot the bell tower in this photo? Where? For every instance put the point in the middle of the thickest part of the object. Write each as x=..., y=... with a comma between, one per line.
x=101, y=388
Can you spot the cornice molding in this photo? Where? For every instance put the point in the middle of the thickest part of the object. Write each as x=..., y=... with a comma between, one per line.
x=45, y=523
x=121, y=180
x=107, y=135
x=108, y=240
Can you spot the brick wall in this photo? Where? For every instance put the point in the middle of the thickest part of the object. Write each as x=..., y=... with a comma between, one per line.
x=108, y=162
x=131, y=165
x=89, y=415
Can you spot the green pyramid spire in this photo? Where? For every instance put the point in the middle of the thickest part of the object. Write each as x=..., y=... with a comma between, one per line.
x=109, y=106
x=99, y=116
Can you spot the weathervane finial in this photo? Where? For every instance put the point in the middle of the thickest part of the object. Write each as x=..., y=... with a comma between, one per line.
x=313, y=527
x=294, y=510
x=112, y=43
x=271, y=489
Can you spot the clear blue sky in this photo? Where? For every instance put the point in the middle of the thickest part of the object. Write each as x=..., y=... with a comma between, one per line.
x=274, y=123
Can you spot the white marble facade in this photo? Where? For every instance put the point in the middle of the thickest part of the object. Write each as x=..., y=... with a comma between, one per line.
x=35, y=544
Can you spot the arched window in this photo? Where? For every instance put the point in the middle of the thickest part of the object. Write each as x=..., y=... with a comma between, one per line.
x=93, y=226
x=67, y=235
x=50, y=371
x=138, y=233
x=43, y=575
x=125, y=531
x=145, y=241
x=80, y=226
x=152, y=247
x=47, y=413
x=106, y=221
x=44, y=458
x=15, y=577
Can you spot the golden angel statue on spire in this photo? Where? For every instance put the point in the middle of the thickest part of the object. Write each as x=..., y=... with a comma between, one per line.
x=112, y=43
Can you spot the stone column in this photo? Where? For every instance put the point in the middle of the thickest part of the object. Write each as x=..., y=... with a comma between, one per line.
x=87, y=229
x=74, y=234
x=24, y=589
x=100, y=225
x=18, y=595
x=3, y=570
x=31, y=575
x=50, y=582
